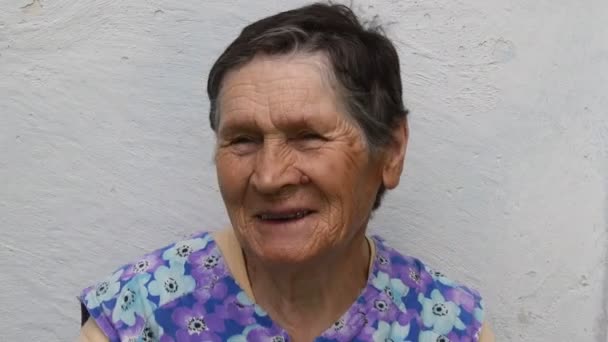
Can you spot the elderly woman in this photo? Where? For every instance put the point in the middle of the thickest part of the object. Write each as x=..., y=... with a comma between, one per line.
x=311, y=131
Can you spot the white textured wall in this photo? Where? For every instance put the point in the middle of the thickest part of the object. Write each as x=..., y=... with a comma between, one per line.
x=105, y=150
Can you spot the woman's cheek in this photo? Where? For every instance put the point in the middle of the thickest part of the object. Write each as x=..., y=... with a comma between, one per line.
x=231, y=177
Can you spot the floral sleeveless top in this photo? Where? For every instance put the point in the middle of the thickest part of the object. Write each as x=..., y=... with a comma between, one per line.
x=185, y=292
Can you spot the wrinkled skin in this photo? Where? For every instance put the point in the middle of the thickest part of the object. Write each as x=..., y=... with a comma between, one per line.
x=285, y=141
x=264, y=161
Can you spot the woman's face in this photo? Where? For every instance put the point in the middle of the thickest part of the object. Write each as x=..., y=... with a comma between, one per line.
x=294, y=171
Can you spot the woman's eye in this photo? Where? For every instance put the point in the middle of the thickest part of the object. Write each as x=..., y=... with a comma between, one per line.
x=244, y=144
x=242, y=140
x=309, y=140
x=310, y=136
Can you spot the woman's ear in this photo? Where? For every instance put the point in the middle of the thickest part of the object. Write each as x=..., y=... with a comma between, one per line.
x=395, y=155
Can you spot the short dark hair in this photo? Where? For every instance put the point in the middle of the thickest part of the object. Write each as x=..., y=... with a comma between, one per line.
x=363, y=61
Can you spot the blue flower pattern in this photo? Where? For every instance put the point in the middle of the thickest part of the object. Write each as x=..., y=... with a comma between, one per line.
x=441, y=315
x=171, y=283
x=180, y=251
x=391, y=332
x=152, y=303
x=104, y=290
x=393, y=287
x=244, y=300
x=132, y=301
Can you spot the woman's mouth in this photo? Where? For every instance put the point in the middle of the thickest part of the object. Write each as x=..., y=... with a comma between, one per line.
x=283, y=216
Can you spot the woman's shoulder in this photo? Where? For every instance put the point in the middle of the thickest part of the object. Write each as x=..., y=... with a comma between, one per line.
x=443, y=306
x=129, y=296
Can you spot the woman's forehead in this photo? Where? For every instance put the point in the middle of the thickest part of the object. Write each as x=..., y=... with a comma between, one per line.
x=269, y=75
x=291, y=88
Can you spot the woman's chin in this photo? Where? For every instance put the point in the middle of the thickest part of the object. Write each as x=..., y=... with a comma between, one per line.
x=271, y=254
x=288, y=242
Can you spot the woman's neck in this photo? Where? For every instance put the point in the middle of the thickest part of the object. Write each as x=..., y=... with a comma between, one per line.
x=307, y=300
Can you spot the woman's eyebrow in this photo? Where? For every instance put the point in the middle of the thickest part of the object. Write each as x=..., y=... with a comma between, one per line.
x=230, y=128
x=237, y=125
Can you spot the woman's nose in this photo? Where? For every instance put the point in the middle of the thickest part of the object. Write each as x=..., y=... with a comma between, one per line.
x=274, y=168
